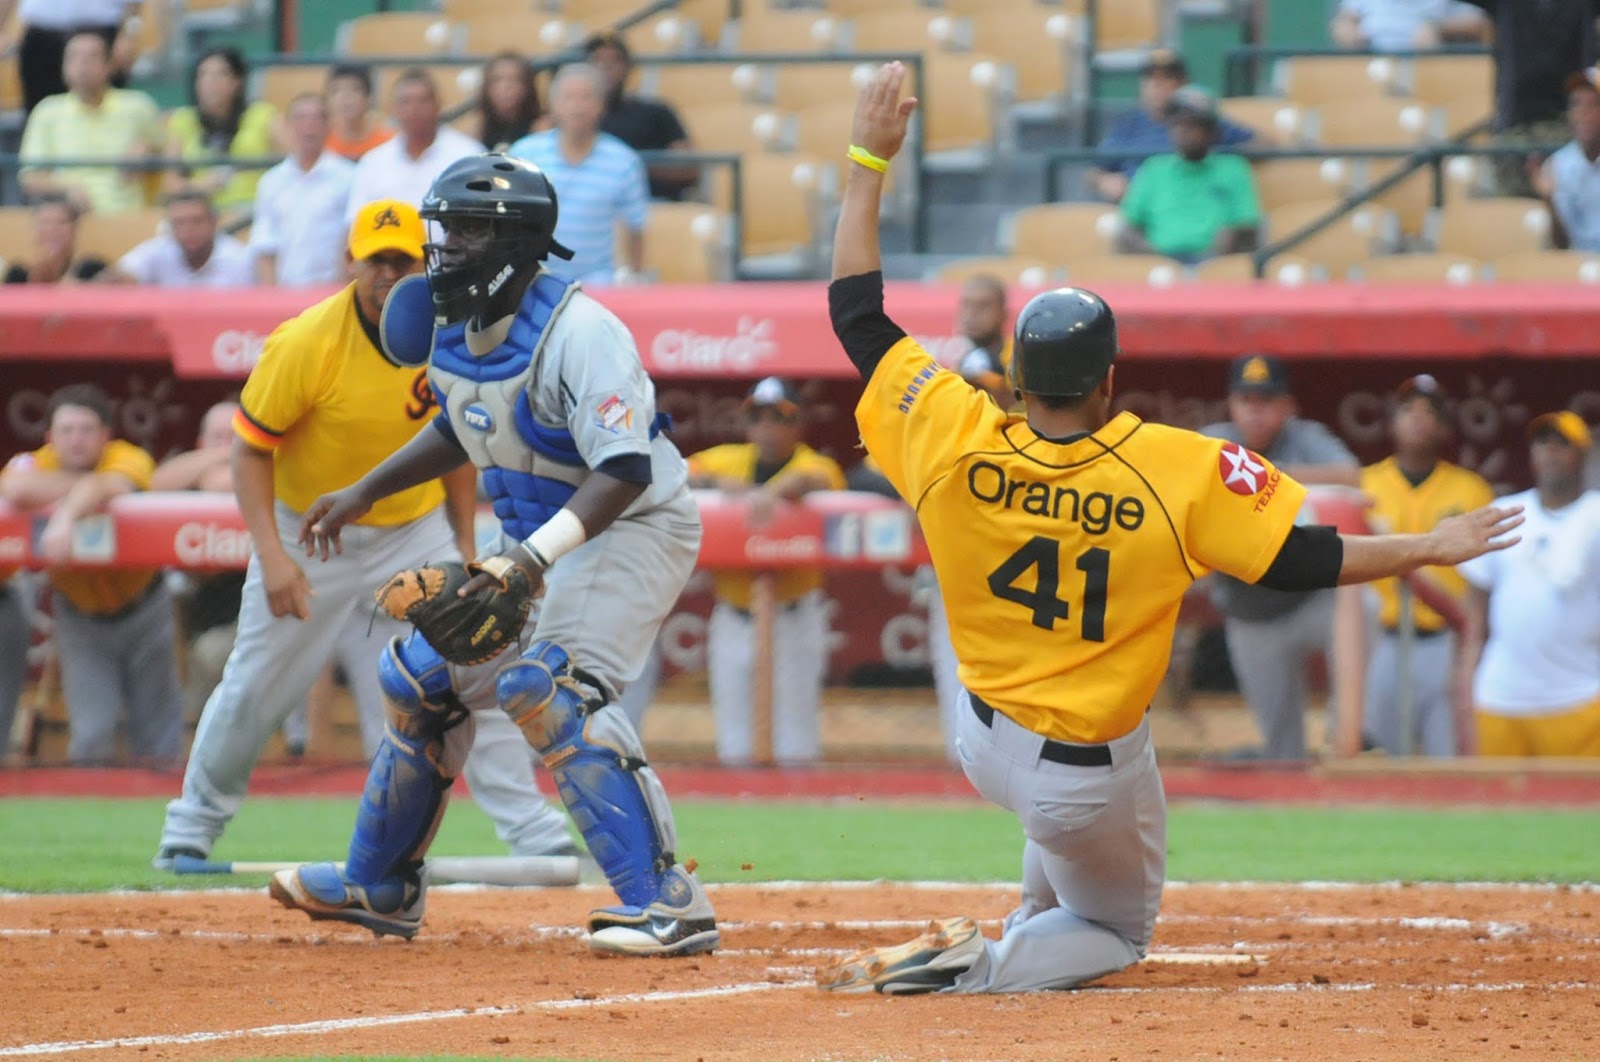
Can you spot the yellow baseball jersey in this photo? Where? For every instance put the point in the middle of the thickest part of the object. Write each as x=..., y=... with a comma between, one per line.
x=738, y=461
x=102, y=591
x=1063, y=564
x=1400, y=508
x=330, y=407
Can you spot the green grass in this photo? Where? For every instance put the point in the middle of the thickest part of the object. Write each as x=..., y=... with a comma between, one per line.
x=86, y=845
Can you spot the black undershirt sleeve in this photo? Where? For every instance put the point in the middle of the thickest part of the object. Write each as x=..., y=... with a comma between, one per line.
x=1309, y=559
x=630, y=468
x=865, y=331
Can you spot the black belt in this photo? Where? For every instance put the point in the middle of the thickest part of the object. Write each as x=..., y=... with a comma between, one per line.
x=1420, y=635
x=1054, y=751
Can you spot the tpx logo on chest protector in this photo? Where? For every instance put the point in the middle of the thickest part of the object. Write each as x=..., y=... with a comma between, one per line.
x=477, y=418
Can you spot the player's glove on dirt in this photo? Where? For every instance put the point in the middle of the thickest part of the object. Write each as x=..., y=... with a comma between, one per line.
x=464, y=630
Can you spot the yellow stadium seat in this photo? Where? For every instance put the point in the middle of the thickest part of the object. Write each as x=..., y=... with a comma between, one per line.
x=278, y=85
x=685, y=243
x=688, y=86
x=907, y=30
x=1153, y=269
x=593, y=14
x=763, y=29
x=1374, y=123
x=1013, y=269
x=854, y=8
x=536, y=33
x=10, y=85
x=1416, y=268
x=798, y=85
x=1288, y=270
x=706, y=16
x=968, y=89
x=16, y=234
x=782, y=199
x=397, y=33
x=1128, y=24
x=1442, y=80
x=1059, y=232
x=1280, y=181
x=1488, y=229
x=1314, y=80
x=1034, y=41
x=669, y=33
x=110, y=236
x=1275, y=121
x=1358, y=235
x=460, y=10
x=1548, y=267
x=735, y=127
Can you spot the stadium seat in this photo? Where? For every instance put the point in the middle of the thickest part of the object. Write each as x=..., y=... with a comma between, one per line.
x=1412, y=199
x=110, y=236
x=1123, y=24
x=1358, y=235
x=16, y=233
x=1153, y=269
x=536, y=33
x=736, y=127
x=458, y=84
x=686, y=243
x=10, y=85
x=1376, y=122
x=908, y=30
x=1547, y=267
x=592, y=14
x=1013, y=269
x=707, y=17
x=1315, y=80
x=763, y=29
x=280, y=83
x=1275, y=121
x=688, y=86
x=1416, y=268
x=799, y=85
x=1288, y=270
x=969, y=89
x=782, y=197
x=461, y=10
x=855, y=8
x=1280, y=181
x=1488, y=229
x=1442, y=80
x=669, y=33
x=397, y=33
x=1060, y=232
x=1033, y=41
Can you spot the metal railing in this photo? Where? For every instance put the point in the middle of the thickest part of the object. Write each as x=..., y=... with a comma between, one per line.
x=1242, y=66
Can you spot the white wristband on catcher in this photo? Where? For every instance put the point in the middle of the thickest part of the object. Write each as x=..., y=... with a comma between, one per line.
x=560, y=534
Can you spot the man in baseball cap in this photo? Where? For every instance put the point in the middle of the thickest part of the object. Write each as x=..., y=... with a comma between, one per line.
x=385, y=246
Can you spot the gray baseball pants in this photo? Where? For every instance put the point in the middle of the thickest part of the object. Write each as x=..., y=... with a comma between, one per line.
x=1269, y=660
x=1433, y=723
x=15, y=633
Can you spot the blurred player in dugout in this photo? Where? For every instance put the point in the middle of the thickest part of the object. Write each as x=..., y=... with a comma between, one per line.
x=1410, y=492
x=772, y=466
x=115, y=630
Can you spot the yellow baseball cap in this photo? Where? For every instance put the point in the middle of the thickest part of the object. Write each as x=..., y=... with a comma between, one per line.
x=387, y=225
x=1566, y=424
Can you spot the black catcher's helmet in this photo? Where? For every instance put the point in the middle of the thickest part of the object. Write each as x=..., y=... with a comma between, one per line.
x=1066, y=339
x=502, y=213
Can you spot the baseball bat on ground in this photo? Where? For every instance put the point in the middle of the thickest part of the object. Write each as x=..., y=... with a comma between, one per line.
x=476, y=870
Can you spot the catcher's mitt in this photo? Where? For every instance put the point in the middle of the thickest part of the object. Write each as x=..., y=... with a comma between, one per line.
x=464, y=630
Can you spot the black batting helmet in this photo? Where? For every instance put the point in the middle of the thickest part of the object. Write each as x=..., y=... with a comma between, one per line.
x=516, y=204
x=1066, y=339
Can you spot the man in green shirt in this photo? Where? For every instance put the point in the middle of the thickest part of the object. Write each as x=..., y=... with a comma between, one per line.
x=91, y=120
x=1192, y=204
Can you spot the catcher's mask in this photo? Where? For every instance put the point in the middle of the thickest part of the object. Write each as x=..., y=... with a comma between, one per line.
x=491, y=221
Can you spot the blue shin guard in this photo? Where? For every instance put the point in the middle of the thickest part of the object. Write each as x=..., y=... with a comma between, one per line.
x=598, y=765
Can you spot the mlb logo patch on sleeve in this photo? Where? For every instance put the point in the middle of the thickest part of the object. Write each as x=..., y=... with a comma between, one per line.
x=614, y=415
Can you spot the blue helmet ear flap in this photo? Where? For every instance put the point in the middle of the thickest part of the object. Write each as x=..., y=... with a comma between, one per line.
x=406, y=327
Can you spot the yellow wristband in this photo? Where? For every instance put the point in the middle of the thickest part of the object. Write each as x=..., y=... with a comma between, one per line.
x=861, y=156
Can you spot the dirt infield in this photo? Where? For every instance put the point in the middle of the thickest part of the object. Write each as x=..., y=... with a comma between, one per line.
x=1257, y=972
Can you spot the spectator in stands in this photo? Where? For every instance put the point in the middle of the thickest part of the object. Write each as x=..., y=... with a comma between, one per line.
x=220, y=123
x=355, y=130
x=55, y=237
x=642, y=124
x=1532, y=644
x=1569, y=181
x=191, y=253
x=599, y=180
x=1195, y=203
x=1146, y=131
x=1406, y=25
x=1272, y=633
x=508, y=101
x=774, y=466
x=91, y=120
x=114, y=626
x=45, y=26
x=405, y=166
x=983, y=320
x=1537, y=44
x=1411, y=492
x=297, y=234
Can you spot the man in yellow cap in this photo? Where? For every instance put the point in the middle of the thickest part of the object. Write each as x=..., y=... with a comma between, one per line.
x=324, y=406
x=1532, y=645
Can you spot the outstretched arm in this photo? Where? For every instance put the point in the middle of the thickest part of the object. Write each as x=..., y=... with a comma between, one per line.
x=1316, y=558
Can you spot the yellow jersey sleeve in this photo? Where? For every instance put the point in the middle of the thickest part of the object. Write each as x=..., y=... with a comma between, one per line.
x=281, y=389
x=1239, y=512
x=128, y=460
x=917, y=418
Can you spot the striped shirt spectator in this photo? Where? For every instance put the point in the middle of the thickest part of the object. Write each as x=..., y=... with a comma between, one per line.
x=598, y=179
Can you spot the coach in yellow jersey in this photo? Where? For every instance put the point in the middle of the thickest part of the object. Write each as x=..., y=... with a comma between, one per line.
x=1411, y=491
x=323, y=407
x=1064, y=541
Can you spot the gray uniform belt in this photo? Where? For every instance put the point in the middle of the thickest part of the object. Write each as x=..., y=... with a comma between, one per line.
x=1054, y=751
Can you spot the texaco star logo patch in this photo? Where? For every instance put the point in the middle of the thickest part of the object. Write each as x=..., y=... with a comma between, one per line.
x=1242, y=471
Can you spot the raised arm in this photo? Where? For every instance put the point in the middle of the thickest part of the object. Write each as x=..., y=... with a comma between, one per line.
x=876, y=134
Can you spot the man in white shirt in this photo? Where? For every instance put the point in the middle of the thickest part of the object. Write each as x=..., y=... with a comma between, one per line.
x=1569, y=180
x=1536, y=687
x=298, y=234
x=191, y=253
x=404, y=167
x=1406, y=25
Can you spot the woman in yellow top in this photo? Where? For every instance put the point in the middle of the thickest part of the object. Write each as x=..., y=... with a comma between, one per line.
x=220, y=124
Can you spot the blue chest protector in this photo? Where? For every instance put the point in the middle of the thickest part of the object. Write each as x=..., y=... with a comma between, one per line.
x=531, y=476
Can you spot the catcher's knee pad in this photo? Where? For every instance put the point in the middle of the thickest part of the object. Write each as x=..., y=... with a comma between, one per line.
x=595, y=756
x=406, y=785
